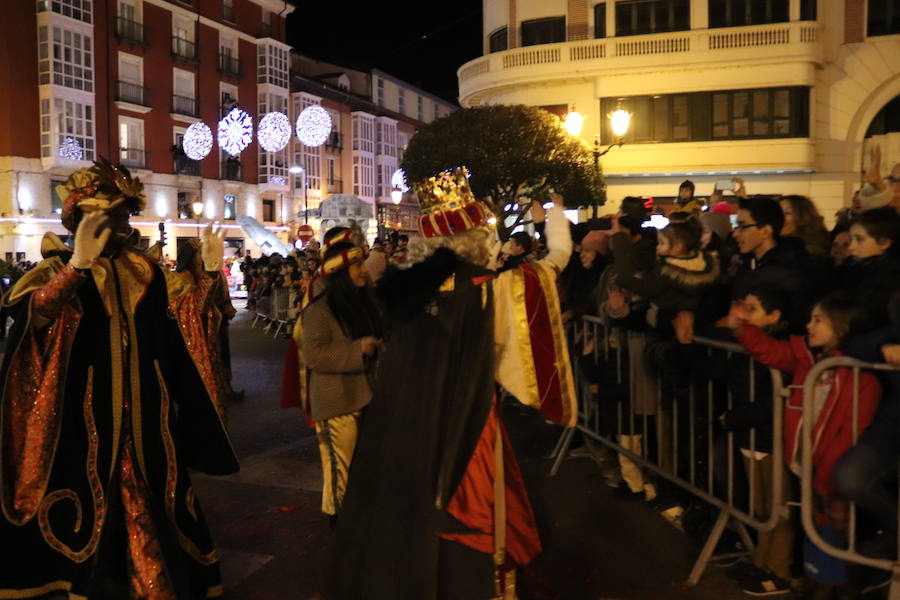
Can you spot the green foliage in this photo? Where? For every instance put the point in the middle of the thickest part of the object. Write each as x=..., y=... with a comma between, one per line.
x=511, y=152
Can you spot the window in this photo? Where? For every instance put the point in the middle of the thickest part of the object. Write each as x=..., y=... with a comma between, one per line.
x=76, y=121
x=638, y=17
x=55, y=200
x=229, y=202
x=185, y=210
x=808, y=10
x=128, y=11
x=272, y=61
x=543, y=31
x=887, y=120
x=401, y=101
x=228, y=10
x=80, y=10
x=600, y=20
x=420, y=108
x=268, y=210
x=70, y=60
x=380, y=92
x=183, y=97
x=228, y=95
x=721, y=115
x=498, y=41
x=131, y=142
x=884, y=17
x=737, y=13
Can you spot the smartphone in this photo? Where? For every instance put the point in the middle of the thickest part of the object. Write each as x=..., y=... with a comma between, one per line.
x=725, y=185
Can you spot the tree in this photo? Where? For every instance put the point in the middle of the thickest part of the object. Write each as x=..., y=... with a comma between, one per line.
x=513, y=153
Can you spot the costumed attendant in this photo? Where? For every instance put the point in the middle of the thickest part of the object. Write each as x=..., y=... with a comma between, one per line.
x=435, y=506
x=341, y=330
x=295, y=380
x=103, y=411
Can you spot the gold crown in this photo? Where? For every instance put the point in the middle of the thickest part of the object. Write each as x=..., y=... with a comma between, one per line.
x=448, y=190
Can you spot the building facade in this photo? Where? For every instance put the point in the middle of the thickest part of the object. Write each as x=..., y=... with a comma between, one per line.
x=779, y=92
x=374, y=115
x=124, y=80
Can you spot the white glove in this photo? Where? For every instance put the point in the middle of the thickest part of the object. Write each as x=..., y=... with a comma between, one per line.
x=212, y=248
x=89, y=245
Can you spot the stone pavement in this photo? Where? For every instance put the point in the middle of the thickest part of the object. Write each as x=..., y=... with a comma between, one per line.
x=269, y=530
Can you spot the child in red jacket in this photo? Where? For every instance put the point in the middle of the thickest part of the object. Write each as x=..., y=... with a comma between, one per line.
x=831, y=321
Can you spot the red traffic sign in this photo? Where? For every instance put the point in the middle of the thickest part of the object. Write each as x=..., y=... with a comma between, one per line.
x=305, y=233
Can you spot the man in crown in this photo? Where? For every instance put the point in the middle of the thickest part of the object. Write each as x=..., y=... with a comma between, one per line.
x=102, y=413
x=435, y=506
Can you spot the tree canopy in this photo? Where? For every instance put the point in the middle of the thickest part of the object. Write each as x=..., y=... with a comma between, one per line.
x=512, y=153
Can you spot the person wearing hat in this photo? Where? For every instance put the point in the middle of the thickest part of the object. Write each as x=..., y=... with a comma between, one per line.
x=686, y=201
x=435, y=506
x=341, y=333
x=103, y=412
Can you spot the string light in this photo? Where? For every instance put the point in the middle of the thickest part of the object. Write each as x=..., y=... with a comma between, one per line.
x=197, y=141
x=71, y=149
x=274, y=131
x=313, y=125
x=235, y=131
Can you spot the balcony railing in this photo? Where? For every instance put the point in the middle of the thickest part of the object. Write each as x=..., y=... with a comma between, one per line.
x=230, y=66
x=265, y=30
x=335, y=140
x=186, y=166
x=335, y=186
x=134, y=157
x=772, y=40
x=231, y=169
x=183, y=49
x=133, y=93
x=130, y=31
x=228, y=13
x=183, y=105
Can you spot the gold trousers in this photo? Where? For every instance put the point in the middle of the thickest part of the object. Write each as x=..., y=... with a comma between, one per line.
x=337, y=440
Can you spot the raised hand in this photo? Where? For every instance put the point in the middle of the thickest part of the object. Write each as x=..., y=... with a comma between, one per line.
x=212, y=247
x=90, y=239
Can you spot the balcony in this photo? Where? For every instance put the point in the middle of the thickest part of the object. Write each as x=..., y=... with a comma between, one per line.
x=231, y=169
x=782, y=43
x=335, y=141
x=183, y=49
x=130, y=31
x=182, y=105
x=230, y=66
x=335, y=186
x=186, y=166
x=132, y=93
x=136, y=158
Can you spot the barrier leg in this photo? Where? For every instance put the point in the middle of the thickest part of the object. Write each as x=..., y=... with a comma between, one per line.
x=708, y=548
x=895, y=585
x=564, y=442
x=745, y=535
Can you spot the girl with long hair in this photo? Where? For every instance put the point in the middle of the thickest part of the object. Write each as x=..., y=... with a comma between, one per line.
x=341, y=334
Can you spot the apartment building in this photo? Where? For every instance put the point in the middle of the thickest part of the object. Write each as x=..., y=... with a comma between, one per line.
x=374, y=116
x=125, y=79
x=783, y=93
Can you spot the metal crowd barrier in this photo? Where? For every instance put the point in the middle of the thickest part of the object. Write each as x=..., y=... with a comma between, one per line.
x=850, y=553
x=609, y=344
x=275, y=311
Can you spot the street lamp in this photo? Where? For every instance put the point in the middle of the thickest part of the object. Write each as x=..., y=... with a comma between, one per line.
x=619, y=120
x=396, y=195
x=197, y=207
x=296, y=170
x=573, y=122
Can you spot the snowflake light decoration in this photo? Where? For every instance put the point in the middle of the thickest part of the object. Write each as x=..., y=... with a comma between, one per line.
x=71, y=149
x=235, y=131
x=313, y=125
x=398, y=180
x=197, y=141
x=274, y=131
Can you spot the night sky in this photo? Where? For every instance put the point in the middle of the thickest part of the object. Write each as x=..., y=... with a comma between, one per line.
x=423, y=43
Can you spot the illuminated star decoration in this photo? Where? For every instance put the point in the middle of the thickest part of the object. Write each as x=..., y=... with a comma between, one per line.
x=274, y=131
x=71, y=149
x=313, y=125
x=235, y=131
x=197, y=141
x=398, y=180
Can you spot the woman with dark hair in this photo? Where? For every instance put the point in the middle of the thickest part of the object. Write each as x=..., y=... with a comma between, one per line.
x=802, y=220
x=341, y=333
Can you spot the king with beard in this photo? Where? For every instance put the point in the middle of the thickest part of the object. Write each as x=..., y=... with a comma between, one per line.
x=103, y=411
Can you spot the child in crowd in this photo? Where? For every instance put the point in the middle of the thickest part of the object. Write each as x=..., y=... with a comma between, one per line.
x=748, y=423
x=831, y=323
